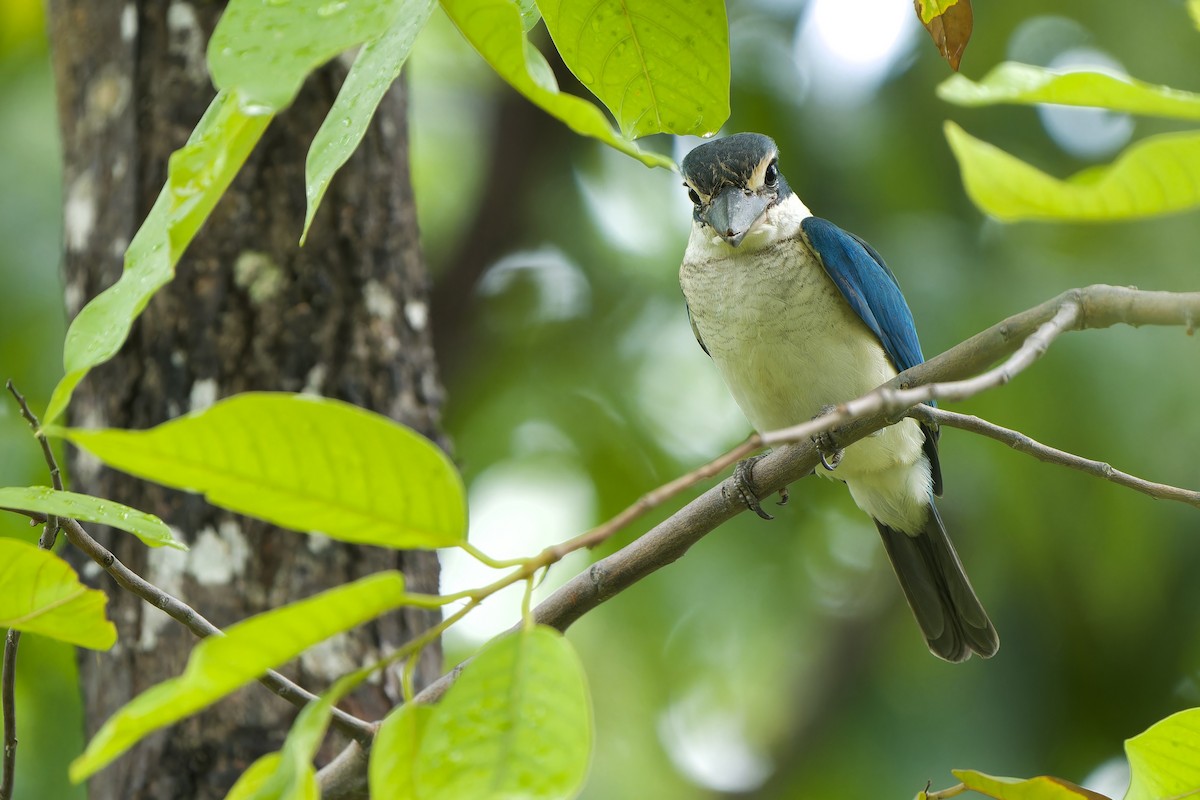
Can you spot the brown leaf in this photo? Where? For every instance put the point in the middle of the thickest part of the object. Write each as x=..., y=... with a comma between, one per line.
x=950, y=31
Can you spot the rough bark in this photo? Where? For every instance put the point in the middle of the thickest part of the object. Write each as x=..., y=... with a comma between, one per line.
x=346, y=317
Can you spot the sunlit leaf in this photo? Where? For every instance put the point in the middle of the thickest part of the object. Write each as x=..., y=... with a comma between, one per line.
x=1194, y=11
x=259, y=774
x=42, y=594
x=220, y=665
x=44, y=500
x=291, y=775
x=1157, y=175
x=659, y=65
x=1040, y=788
x=307, y=463
x=928, y=9
x=949, y=25
x=517, y=723
x=1012, y=82
x=1164, y=760
x=265, y=50
x=197, y=176
x=494, y=28
x=394, y=752
x=375, y=69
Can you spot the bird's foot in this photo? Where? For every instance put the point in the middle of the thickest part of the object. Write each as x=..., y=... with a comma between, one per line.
x=743, y=478
x=831, y=454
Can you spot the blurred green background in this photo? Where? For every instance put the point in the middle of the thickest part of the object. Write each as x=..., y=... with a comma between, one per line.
x=777, y=660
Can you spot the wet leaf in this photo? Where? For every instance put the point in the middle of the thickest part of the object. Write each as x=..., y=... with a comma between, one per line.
x=375, y=69
x=42, y=594
x=517, y=723
x=495, y=29
x=1158, y=175
x=1011, y=82
x=1164, y=761
x=659, y=65
x=197, y=175
x=265, y=50
x=44, y=500
x=307, y=463
x=220, y=665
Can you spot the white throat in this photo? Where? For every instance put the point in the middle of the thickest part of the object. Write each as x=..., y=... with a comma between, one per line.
x=780, y=222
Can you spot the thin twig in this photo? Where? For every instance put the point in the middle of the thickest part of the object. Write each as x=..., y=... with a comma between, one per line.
x=50, y=533
x=8, y=700
x=1051, y=455
x=950, y=376
x=894, y=400
x=8, y=674
x=181, y=612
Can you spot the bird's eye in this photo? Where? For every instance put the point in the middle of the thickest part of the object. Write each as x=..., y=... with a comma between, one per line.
x=695, y=198
x=771, y=176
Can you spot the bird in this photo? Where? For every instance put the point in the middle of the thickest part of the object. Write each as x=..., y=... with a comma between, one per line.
x=799, y=315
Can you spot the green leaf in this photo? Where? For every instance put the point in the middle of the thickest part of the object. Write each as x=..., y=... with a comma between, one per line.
x=292, y=776
x=44, y=500
x=375, y=69
x=659, y=65
x=1194, y=11
x=928, y=9
x=1164, y=761
x=1158, y=175
x=42, y=594
x=494, y=28
x=517, y=723
x=303, y=462
x=394, y=752
x=220, y=665
x=260, y=773
x=1040, y=788
x=197, y=176
x=265, y=50
x=1011, y=82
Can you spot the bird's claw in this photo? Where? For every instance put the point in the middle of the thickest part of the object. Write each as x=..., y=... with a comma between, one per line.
x=743, y=478
x=831, y=454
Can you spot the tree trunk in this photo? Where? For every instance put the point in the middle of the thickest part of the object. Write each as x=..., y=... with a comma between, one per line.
x=346, y=317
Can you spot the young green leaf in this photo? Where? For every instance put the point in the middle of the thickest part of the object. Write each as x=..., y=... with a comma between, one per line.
x=494, y=28
x=266, y=50
x=44, y=500
x=43, y=595
x=517, y=723
x=394, y=752
x=1040, y=788
x=220, y=665
x=1164, y=760
x=197, y=176
x=375, y=69
x=1158, y=175
x=1011, y=82
x=259, y=774
x=307, y=463
x=659, y=65
x=291, y=775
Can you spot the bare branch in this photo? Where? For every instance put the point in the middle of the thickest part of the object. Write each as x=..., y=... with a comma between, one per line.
x=951, y=375
x=181, y=612
x=1024, y=444
x=8, y=674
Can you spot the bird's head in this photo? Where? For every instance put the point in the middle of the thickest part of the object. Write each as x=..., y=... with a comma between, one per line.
x=738, y=192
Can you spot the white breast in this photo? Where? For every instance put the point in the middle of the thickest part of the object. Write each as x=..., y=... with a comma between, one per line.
x=787, y=344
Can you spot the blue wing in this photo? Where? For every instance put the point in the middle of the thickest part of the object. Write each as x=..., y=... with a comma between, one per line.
x=869, y=287
x=872, y=291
